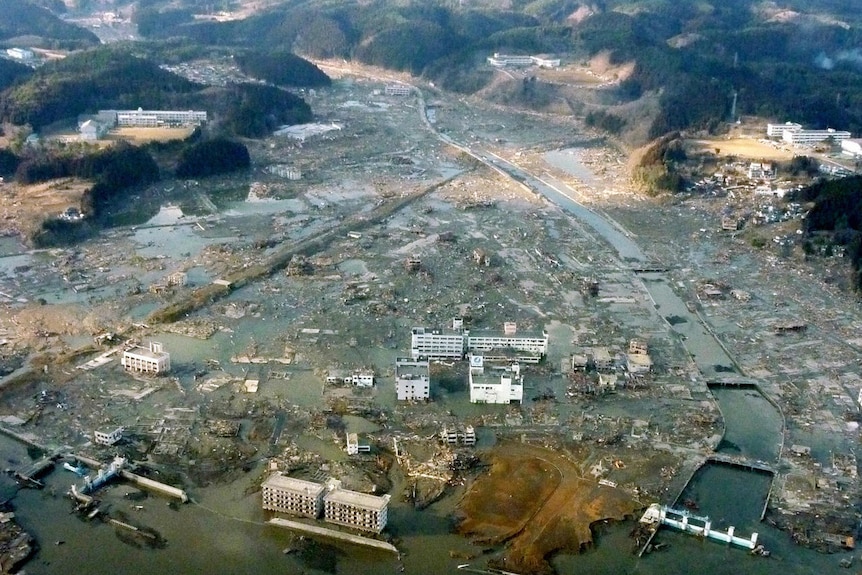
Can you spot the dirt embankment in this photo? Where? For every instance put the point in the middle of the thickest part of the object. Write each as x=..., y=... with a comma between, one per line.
x=537, y=502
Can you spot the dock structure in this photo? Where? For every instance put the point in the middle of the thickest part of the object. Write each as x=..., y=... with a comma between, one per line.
x=682, y=520
x=29, y=475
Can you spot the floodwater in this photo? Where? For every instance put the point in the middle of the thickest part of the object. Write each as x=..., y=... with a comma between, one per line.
x=223, y=530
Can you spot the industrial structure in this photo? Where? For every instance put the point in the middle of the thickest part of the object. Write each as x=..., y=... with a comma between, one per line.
x=152, y=359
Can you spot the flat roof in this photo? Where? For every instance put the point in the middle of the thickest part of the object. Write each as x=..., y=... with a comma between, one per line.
x=357, y=499
x=279, y=481
x=516, y=335
x=141, y=351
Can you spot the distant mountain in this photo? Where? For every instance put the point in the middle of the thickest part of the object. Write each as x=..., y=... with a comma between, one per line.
x=26, y=23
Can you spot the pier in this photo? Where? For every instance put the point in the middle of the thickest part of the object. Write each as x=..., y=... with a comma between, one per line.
x=684, y=521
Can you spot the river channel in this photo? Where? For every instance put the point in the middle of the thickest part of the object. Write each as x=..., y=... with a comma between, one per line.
x=222, y=531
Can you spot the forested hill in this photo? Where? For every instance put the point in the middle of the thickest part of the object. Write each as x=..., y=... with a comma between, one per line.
x=87, y=81
x=23, y=22
x=800, y=59
x=113, y=78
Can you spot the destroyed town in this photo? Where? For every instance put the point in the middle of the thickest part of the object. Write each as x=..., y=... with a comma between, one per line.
x=428, y=332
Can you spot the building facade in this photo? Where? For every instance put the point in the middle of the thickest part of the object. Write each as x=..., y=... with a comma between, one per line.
x=503, y=385
x=157, y=118
x=356, y=510
x=509, y=345
x=293, y=496
x=412, y=379
x=435, y=344
x=108, y=438
x=807, y=137
x=777, y=130
x=153, y=359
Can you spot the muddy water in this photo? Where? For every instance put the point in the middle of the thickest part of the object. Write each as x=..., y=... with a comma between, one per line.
x=224, y=531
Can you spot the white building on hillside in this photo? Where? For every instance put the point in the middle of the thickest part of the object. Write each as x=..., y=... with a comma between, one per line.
x=808, y=137
x=141, y=118
x=852, y=147
x=503, y=385
x=777, y=130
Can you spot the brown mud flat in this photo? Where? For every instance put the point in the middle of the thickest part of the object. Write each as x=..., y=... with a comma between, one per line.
x=536, y=501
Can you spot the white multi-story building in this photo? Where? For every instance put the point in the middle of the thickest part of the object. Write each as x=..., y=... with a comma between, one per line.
x=141, y=118
x=504, y=60
x=153, y=359
x=509, y=345
x=354, y=509
x=495, y=384
x=807, y=137
x=777, y=130
x=412, y=379
x=435, y=344
x=108, y=438
x=294, y=496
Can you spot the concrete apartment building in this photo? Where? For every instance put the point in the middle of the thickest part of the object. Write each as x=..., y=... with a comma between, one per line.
x=152, y=359
x=356, y=510
x=504, y=60
x=340, y=506
x=412, y=379
x=502, y=385
x=293, y=496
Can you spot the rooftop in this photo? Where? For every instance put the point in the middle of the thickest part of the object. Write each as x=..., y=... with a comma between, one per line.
x=357, y=499
x=279, y=481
